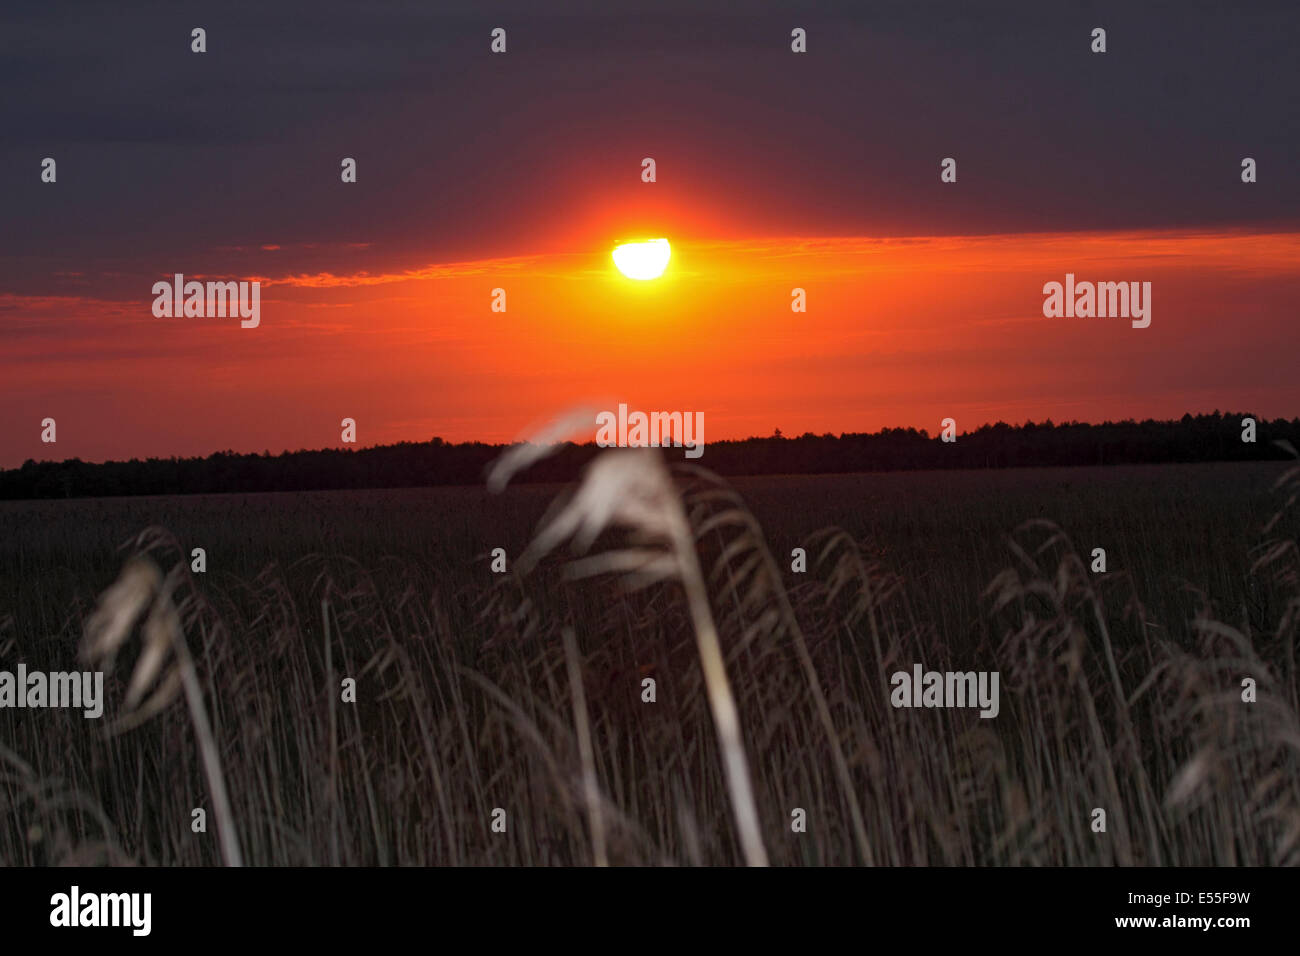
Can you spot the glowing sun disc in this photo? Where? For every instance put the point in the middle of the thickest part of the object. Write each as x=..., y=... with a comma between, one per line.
x=642, y=260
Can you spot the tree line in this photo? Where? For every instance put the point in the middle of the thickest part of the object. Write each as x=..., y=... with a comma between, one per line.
x=1214, y=437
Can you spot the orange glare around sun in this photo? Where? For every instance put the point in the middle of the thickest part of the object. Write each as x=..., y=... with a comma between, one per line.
x=642, y=260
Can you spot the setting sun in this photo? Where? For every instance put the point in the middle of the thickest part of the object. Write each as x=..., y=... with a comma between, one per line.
x=642, y=260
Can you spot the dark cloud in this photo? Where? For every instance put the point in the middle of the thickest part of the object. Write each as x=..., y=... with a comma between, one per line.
x=166, y=156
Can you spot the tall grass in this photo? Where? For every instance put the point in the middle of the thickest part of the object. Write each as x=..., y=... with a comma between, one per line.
x=523, y=691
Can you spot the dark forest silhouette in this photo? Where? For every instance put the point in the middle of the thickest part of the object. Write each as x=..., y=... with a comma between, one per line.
x=1214, y=437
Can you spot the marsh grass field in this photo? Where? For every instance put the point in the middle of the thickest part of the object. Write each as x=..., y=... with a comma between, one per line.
x=1119, y=690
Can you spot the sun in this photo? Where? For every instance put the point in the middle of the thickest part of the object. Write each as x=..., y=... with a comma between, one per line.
x=642, y=260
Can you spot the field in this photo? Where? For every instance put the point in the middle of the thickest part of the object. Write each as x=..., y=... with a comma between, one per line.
x=1120, y=691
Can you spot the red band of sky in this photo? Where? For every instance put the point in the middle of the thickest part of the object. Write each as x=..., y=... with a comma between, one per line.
x=898, y=332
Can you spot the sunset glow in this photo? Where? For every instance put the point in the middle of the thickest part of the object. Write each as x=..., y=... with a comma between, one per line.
x=453, y=283
x=899, y=331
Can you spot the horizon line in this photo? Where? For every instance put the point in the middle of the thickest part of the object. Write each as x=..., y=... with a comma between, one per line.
x=778, y=435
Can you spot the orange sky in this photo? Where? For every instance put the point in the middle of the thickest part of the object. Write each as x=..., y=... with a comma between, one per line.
x=899, y=331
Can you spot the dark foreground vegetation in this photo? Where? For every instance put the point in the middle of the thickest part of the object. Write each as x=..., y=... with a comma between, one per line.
x=523, y=691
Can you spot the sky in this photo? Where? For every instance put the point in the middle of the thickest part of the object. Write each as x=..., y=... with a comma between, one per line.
x=521, y=170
